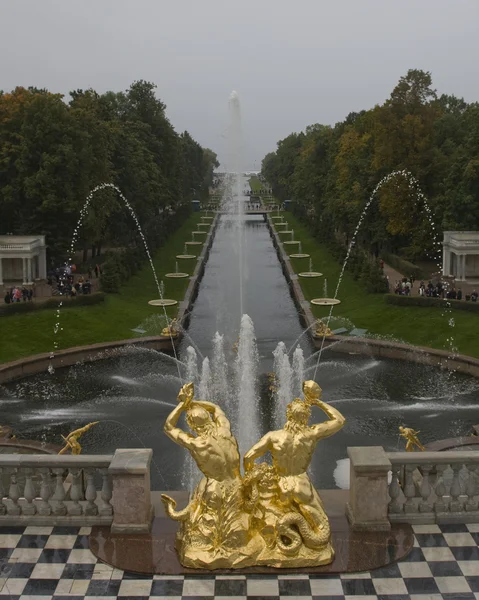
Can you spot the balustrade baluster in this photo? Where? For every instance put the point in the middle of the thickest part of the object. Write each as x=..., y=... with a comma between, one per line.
x=30, y=494
x=455, y=505
x=410, y=505
x=395, y=490
x=472, y=488
x=424, y=506
x=59, y=507
x=14, y=494
x=440, y=505
x=44, y=507
x=3, y=508
x=75, y=509
x=90, y=493
x=106, y=509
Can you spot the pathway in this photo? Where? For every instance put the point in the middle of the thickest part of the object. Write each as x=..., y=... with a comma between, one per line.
x=55, y=563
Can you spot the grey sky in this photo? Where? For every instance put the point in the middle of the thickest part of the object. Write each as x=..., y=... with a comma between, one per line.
x=293, y=62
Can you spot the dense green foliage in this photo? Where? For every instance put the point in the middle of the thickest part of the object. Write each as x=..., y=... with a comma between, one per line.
x=331, y=172
x=52, y=153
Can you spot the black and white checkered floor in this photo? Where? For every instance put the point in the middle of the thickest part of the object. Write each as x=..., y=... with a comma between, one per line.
x=55, y=562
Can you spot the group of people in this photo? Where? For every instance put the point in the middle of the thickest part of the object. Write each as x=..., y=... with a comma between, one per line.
x=17, y=294
x=439, y=289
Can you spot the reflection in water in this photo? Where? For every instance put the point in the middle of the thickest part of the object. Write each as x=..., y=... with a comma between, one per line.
x=132, y=392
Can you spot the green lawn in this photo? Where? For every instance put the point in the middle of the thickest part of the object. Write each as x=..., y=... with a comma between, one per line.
x=31, y=333
x=255, y=184
x=415, y=325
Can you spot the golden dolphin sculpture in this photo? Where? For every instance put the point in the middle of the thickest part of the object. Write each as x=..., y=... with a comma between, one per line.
x=271, y=516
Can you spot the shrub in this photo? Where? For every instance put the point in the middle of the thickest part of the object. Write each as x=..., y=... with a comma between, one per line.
x=406, y=268
x=111, y=276
x=424, y=301
x=52, y=303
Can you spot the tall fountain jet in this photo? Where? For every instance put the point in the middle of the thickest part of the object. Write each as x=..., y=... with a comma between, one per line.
x=235, y=199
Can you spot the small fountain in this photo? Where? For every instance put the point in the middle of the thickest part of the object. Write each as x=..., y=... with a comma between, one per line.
x=205, y=387
x=284, y=382
x=177, y=274
x=300, y=253
x=185, y=254
x=298, y=373
x=162, y=301
x=325, y=301
x=193, y=242
x=292, y=240
x=248, y=417
x=310, y=273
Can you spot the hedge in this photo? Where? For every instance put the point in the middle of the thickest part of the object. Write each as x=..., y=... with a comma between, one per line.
x=68, y=302
x=406, y=268
x=424, y=301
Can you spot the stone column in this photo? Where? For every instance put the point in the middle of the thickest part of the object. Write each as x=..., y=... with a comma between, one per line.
x=131, y=500
x=446, y=261
x=367, y=509
x=24, y=270
x=29, y=271
x=1, y=271
x=42, y=263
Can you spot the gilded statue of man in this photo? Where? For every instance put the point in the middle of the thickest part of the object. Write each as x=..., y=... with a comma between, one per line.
x=292, y=448
x=213, y=521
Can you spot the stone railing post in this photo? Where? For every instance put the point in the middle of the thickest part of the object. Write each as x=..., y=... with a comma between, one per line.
x=131, y=499
x=367, y=509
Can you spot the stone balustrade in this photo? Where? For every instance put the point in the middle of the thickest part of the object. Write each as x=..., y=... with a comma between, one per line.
x=114, y=490
x=412, y=487
x=434, y=487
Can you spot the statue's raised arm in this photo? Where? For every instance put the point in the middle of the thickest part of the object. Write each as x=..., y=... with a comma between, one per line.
x=312, y=396
x=185, y=398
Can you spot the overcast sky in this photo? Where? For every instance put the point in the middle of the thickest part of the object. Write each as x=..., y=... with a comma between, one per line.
x=293, y=62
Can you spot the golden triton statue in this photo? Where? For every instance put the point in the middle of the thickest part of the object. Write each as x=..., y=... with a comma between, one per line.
x=412, y=440
x=71, y=440
x=272, y=516
x=171, y=330
x=322, y=330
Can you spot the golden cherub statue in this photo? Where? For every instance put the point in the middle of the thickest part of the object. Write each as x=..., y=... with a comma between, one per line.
x=171, y=330
x=412, y=440
x=322, y=330
x=272, y=516
x=72, y=439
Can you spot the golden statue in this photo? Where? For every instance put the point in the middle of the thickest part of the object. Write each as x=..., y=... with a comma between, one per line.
x=272, y=516
x=322, y=330
x=412, y=440
x=171, y=330
x=71, y=441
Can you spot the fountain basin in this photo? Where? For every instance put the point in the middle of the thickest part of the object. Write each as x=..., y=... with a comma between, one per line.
x=325, y=301
x=291, y=242
x=177, y=275
x=289, y=232
x=186, y=256
x=310, y=274
x=199, y=232
x=163, y=302
x=299, y=255
x=193, y=243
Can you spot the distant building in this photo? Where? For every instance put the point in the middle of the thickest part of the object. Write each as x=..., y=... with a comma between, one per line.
x=460, y=256
x=22, y=258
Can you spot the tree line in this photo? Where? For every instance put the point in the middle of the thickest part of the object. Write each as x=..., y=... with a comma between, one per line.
x=330, y=172
x=53, y=152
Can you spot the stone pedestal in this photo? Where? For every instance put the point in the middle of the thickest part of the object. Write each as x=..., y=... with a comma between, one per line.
x=367, y=509
x=131, y=500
